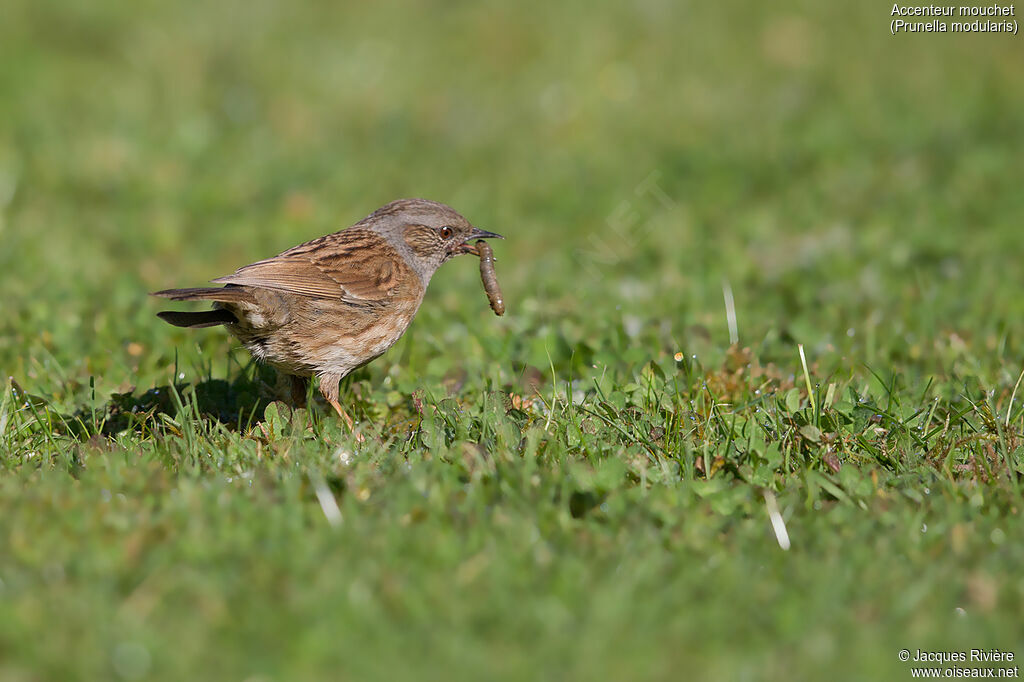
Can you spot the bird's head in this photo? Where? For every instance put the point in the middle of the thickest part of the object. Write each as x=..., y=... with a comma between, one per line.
x=428, y=233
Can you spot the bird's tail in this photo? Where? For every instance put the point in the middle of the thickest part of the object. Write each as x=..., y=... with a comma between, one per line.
x=228, y=294
x=206, y=318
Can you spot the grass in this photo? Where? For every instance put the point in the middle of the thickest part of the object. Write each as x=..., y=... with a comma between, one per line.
x=757, y=258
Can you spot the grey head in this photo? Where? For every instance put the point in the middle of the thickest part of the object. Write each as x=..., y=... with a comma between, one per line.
x=427, y=233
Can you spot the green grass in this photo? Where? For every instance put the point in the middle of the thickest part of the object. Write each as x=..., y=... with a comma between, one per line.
x=580, y=489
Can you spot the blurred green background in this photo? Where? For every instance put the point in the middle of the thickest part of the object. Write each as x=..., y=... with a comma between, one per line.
x=858, y=193
x=839, y=177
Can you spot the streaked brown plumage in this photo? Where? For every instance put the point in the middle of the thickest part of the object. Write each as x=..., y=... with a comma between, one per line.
x=333, y=304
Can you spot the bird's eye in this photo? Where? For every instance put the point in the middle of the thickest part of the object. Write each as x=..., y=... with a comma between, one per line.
x=446, y=232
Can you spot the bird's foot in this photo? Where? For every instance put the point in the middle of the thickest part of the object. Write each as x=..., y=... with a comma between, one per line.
x=348, y=420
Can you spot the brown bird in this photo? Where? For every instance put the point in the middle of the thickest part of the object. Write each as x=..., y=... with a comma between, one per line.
x=333, y=304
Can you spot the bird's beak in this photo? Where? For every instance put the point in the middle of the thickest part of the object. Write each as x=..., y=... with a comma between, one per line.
x=477, y=233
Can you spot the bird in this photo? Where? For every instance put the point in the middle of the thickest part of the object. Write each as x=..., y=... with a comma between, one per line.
x=328, y=306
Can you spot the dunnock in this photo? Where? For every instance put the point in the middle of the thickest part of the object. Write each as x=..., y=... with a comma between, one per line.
x=331, y=305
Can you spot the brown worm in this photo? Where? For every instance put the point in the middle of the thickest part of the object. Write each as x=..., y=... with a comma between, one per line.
x=489, y=277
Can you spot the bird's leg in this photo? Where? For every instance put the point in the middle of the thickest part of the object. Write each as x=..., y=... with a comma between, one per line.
x=343, y=414
x=348, y=420
x=299, y=387
x=329, y=385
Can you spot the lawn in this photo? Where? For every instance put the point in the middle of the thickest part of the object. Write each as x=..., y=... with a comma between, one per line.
x=754, y=411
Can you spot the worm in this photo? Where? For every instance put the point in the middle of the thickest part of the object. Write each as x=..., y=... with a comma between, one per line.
x=489, y=277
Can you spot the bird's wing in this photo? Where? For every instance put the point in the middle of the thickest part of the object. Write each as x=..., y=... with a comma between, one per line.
x=354, y=265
